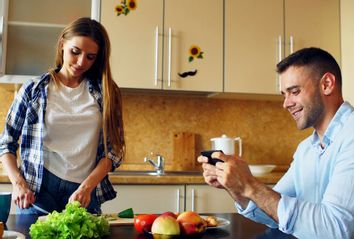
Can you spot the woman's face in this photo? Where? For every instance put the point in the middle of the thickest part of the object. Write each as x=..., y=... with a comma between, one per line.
x=79, y=54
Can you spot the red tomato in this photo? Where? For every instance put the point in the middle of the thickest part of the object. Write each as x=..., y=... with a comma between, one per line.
x=143, y=222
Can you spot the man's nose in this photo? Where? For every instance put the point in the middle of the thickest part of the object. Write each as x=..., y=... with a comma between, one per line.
x=288, y=102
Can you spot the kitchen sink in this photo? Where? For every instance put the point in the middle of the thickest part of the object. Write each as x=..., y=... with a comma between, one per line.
x=154, y=173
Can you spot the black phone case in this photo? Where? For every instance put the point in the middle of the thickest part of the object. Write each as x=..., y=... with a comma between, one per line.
x=208, y=154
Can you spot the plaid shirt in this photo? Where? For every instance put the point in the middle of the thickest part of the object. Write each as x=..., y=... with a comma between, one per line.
x=26, y=120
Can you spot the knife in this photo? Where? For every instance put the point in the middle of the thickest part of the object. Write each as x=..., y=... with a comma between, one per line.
x=40, y=209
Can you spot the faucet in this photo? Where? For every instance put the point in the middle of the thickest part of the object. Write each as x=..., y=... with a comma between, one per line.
x=159, y=165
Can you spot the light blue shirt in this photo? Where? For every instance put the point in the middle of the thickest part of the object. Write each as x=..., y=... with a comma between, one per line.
x=317, y=192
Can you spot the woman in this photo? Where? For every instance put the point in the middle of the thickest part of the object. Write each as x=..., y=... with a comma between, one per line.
x=70, y=124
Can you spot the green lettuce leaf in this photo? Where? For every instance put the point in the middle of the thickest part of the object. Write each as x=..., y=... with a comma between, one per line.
x=73, y=222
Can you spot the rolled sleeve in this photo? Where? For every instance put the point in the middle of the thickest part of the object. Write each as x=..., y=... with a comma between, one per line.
x=287, y=214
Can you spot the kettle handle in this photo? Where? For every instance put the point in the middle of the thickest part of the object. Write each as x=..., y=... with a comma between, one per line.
x=239, y=140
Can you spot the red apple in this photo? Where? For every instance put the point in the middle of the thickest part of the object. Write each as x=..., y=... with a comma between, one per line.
x=191, y=223
x=144, y=222
x=170, y=214
x=165, y=225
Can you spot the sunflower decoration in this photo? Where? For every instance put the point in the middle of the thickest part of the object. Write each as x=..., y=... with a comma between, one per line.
x=125, y=7
x=195, y=52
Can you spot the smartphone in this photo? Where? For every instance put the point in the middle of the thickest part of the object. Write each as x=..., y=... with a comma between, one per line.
x=208, y=154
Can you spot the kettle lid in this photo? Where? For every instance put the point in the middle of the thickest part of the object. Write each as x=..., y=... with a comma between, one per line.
x=223, y=137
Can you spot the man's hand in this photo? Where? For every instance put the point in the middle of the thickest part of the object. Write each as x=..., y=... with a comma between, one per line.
x=209, y=172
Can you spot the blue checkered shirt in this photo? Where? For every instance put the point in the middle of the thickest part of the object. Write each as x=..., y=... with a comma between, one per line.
x=25, y=119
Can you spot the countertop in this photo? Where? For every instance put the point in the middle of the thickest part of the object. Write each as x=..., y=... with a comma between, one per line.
x=239, y=227
x=270, y=178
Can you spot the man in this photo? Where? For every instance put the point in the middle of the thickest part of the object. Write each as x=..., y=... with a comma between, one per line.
x=315, y=198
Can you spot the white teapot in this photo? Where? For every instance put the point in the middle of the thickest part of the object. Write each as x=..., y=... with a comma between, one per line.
x=227, y=144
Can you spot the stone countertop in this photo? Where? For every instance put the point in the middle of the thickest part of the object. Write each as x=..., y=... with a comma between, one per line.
x=270, y=178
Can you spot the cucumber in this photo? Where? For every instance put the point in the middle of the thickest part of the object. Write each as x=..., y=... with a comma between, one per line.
x=127, y=213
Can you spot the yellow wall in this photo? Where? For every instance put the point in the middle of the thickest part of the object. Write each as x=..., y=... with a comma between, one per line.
x=268, y=132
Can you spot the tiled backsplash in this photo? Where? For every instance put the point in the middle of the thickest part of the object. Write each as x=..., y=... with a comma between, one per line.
x=268, y=132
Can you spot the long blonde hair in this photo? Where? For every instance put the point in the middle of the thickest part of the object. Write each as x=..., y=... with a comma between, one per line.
x=112, y=125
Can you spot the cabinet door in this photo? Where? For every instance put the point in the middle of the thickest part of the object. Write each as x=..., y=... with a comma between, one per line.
x=7, y=187
x=206, y=199
x=347, y=38
x=32, y=32
x=136, y=55
x=253, y=29
x=146, y=199
x=193, y=23
x=313, y=23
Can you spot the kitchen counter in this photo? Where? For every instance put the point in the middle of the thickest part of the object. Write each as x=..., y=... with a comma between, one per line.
x=239, y=227
x=270, y=178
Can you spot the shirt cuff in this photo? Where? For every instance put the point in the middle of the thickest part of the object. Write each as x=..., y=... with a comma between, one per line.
x=287, y=214
x=250, y=208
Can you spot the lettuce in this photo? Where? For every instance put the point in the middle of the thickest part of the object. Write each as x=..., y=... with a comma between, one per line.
x=73, y=222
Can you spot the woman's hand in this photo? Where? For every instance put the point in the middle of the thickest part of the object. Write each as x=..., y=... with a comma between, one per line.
x=83, y=195
x=22, y=196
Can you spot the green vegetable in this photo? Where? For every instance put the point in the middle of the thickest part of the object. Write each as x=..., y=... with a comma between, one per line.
x=73, y=222
x=127, y=213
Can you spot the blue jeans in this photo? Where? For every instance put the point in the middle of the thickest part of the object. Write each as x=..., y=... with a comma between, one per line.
x=54, y=195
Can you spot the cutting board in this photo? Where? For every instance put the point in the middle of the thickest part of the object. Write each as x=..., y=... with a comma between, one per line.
x=116, y=222
x=184, y=155
x=121, y=222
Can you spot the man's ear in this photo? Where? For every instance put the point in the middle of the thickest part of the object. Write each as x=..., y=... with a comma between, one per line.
x=328, y=83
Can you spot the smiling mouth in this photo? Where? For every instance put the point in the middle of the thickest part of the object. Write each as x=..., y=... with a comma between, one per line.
x=296, y=113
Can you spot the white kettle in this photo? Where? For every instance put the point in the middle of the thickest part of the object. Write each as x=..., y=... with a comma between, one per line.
x=226, y=144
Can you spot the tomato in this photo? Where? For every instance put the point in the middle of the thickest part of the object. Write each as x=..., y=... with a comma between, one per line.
x=143, y=222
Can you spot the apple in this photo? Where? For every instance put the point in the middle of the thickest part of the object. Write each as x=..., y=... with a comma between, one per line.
x=143, y=222
x=170, y=214
x=191, y=223
x=165, y=225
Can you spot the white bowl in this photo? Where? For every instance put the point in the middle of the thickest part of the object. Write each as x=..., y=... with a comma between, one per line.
x=261, y=169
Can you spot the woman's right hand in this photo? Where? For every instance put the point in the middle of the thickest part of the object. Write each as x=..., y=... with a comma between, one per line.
x=22, y=196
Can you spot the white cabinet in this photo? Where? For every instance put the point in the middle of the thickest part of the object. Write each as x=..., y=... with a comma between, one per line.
x=258, y=34
x=146, y=199
x=347, y=20
x=151, y=44
x=207, y=199
x=30, y=30
x=7, y=187
x=174, y=198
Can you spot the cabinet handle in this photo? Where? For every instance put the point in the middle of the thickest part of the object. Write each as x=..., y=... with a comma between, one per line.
x=2, y=58
x=193, y=199
x=280, y=56
x=169, y=56
x=178, y=200
x=280, y=49
x=96, y=10
x=291, y=39
x=156, y=53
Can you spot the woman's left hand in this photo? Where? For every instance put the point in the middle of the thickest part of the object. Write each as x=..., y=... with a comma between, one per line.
x=83, y=195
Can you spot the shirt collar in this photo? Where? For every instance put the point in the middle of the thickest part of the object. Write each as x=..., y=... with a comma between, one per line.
x=334, y=126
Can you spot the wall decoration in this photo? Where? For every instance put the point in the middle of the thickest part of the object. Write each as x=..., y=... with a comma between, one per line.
x=195, y=52
x=125, y=7
x=188, y=73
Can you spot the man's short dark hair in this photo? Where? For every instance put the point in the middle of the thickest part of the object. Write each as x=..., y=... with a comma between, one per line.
x=320, y=61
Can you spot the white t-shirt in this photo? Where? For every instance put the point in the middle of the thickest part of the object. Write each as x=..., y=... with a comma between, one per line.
x=72, y=127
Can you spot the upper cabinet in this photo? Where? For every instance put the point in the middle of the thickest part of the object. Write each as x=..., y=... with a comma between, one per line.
x=166, y=44
x=30, y=30
x=258, y=34
x=347, y=39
